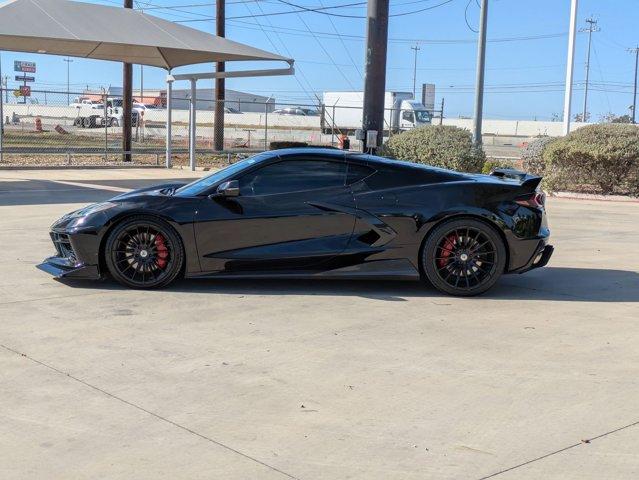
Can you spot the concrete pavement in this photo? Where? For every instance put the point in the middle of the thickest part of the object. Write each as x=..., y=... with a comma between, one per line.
x=317, y=380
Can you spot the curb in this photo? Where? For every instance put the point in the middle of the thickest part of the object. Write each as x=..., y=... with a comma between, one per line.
x=77, y=167
x=593, y=197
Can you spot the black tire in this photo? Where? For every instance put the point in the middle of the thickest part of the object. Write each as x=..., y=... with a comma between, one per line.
x=463, y=257
x=114, y=122
x=144, y=252
x=86, y=122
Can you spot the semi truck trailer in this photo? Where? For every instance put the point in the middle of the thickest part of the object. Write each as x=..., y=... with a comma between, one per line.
x=342, y=112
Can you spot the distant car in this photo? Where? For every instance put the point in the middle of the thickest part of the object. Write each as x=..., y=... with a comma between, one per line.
x=313, y=212
x=80, y=102
x=231, y=110
x=299, y=111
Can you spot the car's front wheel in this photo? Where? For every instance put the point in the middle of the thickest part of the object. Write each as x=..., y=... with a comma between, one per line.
x=463, y=257
x=144, y=252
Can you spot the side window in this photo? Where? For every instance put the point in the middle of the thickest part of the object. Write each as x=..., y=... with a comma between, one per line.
x=355, y=173
x=293, y=176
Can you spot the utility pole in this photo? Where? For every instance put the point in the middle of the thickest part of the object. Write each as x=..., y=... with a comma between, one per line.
x=592, y=27
x=416, y=48
x=68, y=61
x=127, y=102
x=570, y=64
x=479, y=84
x=634, y=92
x=220, y=87
x=375, y=76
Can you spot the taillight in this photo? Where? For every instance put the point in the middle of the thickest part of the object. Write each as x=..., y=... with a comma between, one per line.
x=532, y=200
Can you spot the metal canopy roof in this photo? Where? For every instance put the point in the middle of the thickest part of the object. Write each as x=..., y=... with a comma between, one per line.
x=63, y=27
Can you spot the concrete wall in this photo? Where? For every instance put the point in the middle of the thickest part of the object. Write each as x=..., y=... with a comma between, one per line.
x=515, y=128
x=511, y=128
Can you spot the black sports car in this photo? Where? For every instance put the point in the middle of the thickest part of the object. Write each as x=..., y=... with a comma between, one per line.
x=313, y=212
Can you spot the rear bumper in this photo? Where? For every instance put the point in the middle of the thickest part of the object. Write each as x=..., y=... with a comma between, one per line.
x=540, y=258
x=65, y=268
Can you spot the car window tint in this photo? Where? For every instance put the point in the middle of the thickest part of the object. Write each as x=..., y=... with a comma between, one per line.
x=293, y=176
x=357, y=173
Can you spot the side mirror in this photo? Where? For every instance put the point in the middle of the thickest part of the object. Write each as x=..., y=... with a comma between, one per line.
x=230, y=188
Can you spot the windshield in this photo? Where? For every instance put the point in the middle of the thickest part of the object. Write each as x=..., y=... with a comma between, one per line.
x=201, y=185
x=423, y=116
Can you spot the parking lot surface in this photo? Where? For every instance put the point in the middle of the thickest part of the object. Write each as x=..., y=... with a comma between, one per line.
x=248, y=379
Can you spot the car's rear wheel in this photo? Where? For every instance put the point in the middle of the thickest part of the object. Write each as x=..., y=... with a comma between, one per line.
x=463, y=257
x=144, y=252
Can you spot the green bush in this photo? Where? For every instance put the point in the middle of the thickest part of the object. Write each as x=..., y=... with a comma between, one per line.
x=491, y=165
x=438, y=145
x=600, y=158
x=532, y=155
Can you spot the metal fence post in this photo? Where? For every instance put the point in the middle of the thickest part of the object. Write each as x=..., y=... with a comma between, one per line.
x=106, y=127
x=265, y=126
x=192, y=126
x=169, y=93
x=1, y=117
x=333, y=128
x=1, y=111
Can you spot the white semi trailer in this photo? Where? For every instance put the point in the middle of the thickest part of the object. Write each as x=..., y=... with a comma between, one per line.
x=342, y=112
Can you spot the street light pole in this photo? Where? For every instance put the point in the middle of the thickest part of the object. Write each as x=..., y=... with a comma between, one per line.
x=479, y=86
x=68, y=62
x=570, y=64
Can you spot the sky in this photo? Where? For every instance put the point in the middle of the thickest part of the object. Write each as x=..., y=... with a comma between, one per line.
x=525, y=56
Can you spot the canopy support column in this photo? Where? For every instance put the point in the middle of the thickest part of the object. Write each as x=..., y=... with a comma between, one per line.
x=192, y=125
x=169, y=120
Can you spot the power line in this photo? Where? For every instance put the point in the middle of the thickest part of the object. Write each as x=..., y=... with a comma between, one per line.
x=352, y=37
x=466, y=18
x=316, y=10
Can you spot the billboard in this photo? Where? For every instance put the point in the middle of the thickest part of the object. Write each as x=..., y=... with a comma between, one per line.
x=24, y=78
x=26, y=67
x=428, y=96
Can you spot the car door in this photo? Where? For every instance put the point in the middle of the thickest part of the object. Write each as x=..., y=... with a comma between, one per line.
x=293, y=214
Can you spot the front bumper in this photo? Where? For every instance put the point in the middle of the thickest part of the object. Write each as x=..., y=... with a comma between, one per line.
x=71, y=257
x=61, y=267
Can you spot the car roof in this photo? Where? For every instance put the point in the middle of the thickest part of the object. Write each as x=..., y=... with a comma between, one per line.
x=372, y=160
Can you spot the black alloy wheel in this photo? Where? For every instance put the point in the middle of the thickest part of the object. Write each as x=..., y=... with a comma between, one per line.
x=143, y=252
x=464, y=257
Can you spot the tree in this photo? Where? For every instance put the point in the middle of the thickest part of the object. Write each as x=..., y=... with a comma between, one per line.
x=580, y=117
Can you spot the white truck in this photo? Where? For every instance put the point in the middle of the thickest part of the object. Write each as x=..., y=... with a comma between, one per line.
x=342, y=112
x=92, y=115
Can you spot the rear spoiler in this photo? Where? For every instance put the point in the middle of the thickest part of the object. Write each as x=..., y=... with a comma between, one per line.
x=528, y=182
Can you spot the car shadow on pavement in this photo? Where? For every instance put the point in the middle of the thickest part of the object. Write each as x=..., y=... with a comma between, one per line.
x=550, y=283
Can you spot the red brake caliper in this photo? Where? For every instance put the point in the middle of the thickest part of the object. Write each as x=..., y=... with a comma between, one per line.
x=446, y=250
x=163, y=252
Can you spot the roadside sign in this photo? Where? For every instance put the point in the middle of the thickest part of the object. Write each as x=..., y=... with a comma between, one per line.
x=26, y=67
x=25, y=91
x=24, y=79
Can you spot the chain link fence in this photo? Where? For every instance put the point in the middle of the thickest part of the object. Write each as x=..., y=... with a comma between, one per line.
x=53, y=128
